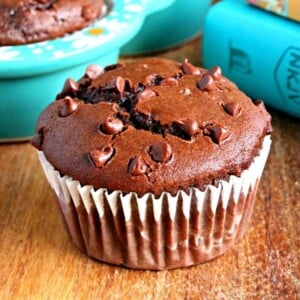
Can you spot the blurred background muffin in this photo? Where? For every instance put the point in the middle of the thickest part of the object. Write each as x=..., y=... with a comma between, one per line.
x=28, y=21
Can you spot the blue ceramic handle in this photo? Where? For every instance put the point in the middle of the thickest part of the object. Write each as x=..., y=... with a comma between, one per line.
x=257, y=50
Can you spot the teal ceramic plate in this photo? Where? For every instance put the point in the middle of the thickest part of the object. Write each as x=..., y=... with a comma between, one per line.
x=32, y=75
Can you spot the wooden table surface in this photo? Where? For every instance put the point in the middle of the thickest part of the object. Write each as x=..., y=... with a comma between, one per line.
x=38, y=260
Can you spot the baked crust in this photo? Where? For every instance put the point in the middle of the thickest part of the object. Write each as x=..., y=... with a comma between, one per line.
x=151, y=126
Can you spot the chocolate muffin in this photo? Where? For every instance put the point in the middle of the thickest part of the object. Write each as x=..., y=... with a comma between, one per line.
x=28, y=21
x=155, y=163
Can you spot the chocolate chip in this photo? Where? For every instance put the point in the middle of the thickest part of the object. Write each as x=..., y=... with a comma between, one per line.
x=160, y=152
x=215, y=73
x=137, y=166
x=188, y=68
x=233, y=108
x=37, y=140
x=206, y=83
x=70, y=86
x=68, y=107
x=146, y=95
x=112, y=67
x=178, y=75
x=170, y=81
x=260, y=104
x=102, y=157
x=216, y=133
x=93, y=71
x=153, y=79
x=188, y=126
x=112, y=126
x=117, y=83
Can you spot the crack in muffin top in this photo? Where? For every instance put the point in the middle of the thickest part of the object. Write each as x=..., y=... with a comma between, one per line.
x=153, y=125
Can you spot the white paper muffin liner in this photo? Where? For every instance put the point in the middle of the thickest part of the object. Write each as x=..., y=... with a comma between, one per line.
x=158, y=233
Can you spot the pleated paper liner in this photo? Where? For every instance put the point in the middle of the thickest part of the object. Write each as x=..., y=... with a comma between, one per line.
x=158, y=233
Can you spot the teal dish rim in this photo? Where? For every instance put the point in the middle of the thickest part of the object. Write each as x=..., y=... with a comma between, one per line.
x=120, y=24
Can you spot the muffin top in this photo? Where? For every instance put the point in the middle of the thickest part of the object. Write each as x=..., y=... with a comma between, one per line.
x=27, y=21
x=152, y=125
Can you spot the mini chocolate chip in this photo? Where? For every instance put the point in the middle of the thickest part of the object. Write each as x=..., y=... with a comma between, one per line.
x=102, y=157
x=68, y=107
x=112, y=67
x=160, y=152
x=215, y=73
x=216, y=133
x=93, y=71
x=188, y=68
x=146, y=95
x=120, y=84
x=139, y=87
x=128, y=84
x=117, y=83
x=112, y=126
x=170, y=81
x=150, y=79
x=260, y=104
x=70, y=86
x=137, y=166
x=188, y=126
x=178, y=75
x=37, y=140
x=206, y=83
x=153, y=79
x=232, y=108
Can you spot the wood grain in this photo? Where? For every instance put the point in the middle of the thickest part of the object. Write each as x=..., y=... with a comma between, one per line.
x=38, y=261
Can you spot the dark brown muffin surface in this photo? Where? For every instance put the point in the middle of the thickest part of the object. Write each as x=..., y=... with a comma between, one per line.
x=151, y=126
x=28, y=21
